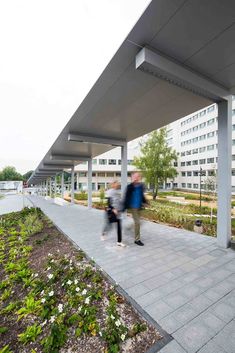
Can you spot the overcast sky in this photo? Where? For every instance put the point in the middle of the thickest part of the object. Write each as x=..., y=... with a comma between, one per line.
x=51, y=53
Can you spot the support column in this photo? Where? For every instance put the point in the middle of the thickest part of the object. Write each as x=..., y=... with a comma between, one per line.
x=46, y=186
x=124, y=167
x=89, y=183
x=62, y=185
x=77, y=176
x=72, y=184
x=55, y=187
x=224, y=172
x=50, y=193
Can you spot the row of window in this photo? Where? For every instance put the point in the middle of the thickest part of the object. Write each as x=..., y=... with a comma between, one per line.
x=194, y=186
x=196, y=173
x=199, y=150
x=197, y=127
x=200, y=161
x=108, y=161
x=199, y=138
x=196, y=116
x=103, y=174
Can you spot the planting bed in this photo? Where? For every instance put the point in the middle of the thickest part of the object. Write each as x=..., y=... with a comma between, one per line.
x=53, y=299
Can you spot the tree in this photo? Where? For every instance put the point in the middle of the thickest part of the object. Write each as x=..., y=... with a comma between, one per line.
x=27, y=175
x=10, y=173
x=156, y=160
x=210, y=187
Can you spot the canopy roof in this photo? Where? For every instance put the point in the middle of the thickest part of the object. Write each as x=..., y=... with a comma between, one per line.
x=129, y=99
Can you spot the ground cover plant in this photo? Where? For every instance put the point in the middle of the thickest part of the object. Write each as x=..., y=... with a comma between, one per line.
x=53, y=299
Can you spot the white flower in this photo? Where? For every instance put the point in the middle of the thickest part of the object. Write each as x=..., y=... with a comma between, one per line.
x=44, y=323
x=89, y=285
x=36, y=275
x=100, y=333
x=48, y=268
x=118, y=323
x=70, y=268
x=52, y=319
x=51, y=293
x=79, y=309
x=84, y=292
x=62, y=284
x=69, y=282
x=70, y=261
x=77, y=289
x=87, y=300
x=43, y=300
x=60, y=308
x=50, y=276
x=42, y=292
x=52, y=260
x=123, y=337
x=75, y=281
x=49, y=254
x=112, y=317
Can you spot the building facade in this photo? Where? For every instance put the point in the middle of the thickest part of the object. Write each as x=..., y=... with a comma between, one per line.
x=195, y=138
x=105, y=169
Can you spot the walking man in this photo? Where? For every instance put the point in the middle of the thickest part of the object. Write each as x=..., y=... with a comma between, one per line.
x=133, y=201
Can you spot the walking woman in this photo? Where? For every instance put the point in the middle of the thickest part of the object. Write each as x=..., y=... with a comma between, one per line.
x=113, y=212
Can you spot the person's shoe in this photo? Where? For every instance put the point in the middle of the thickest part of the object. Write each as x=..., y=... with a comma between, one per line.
x=121, y=244
x=139, y=242
x=103, y=237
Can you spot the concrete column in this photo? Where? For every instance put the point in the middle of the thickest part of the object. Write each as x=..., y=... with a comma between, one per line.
x=77, y=176
x=72, y=184
x=50, y=191
x=89, y=183
x=46, y=186
x=224, y=172
x=62, y=185
x=55, y=187
x=124, y=167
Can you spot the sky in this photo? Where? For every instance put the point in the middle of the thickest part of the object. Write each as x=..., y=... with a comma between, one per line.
x=51, y=53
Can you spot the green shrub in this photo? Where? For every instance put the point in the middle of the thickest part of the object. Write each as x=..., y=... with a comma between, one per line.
x=81, y=196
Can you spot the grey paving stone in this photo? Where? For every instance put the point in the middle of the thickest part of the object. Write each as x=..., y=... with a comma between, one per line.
x=223, y=311
x=158, y=310
x=175, y=300
x=193, y=336
x=169, y=323
x=137, y=290
x=172, y=347
x=226, y=338
x=211, y=347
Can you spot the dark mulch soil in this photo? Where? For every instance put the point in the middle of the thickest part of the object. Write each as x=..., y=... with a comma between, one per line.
x=52, y=241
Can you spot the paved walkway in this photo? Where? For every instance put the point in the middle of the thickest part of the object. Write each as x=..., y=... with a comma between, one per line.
x=13, y=203
x=182, y=279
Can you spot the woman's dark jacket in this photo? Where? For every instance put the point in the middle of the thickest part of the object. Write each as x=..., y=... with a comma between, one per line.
x=128, y=195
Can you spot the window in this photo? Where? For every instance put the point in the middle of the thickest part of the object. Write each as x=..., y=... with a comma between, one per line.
x=189, y=185
x=210, y=122
x=211, y=172
x=233, y=157
x=82, y=174
x=195, y=173
x=175, y=164
x=182, y=164
x=119, y=162
x=102, y=161
x=195, y=128
x=188, y=163
x=203, y=112
x=94, y=174
x=210, y=147
x=183, y=185
x=183, y=174
x=188, y=153
x=233, y=142
x=211, y=108
x=210, y=160
x=195, y=117
x=189, y=173
x=130, y=161
x=202, y=125
x=182, y=154
x=169, y=132
x=202, y=149
x=102, y=174
x=233, y=172
x=210, y=134
x=202, y=161
x=233, y=111
x=195, y=162
x=110, y=174
x=202, y=137
x=169, y=141
x=118, y=174
x=112, y=161
x=195, y=150
x=94, y=161
x=195, y=186
x=233, y=127
x=195, y=139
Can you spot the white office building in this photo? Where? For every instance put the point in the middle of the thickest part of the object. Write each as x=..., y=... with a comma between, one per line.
x=105, y=168
x=195, y=138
